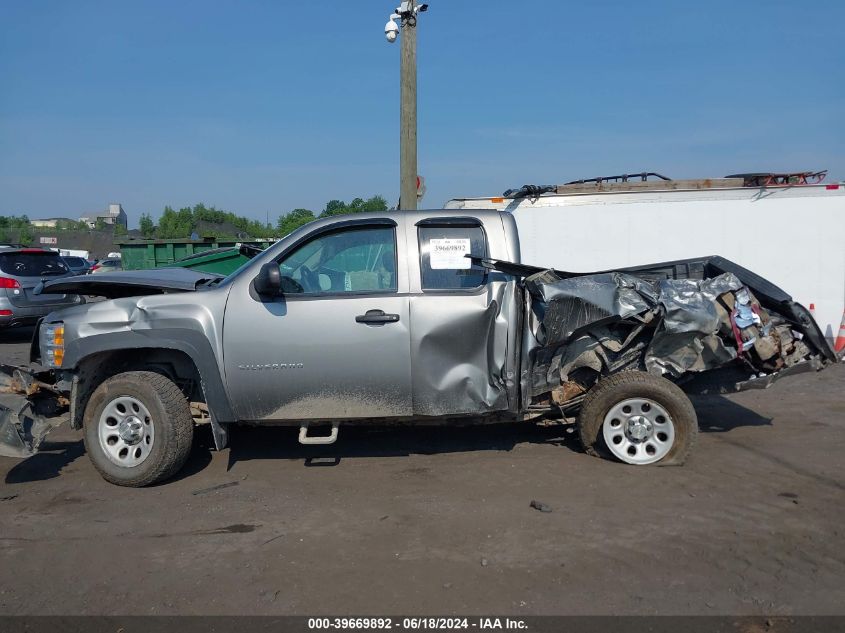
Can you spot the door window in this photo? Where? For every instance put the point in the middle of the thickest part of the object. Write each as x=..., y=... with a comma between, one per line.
x=352, y=260
x=443, y=261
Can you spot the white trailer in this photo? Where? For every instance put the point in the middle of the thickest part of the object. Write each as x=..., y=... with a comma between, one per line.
x=70, y=252
x=793, y=235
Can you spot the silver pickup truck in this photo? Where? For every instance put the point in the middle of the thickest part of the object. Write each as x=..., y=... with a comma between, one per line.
x=424, y=316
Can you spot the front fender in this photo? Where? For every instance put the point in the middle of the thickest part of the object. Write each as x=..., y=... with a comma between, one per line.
x=192, y=343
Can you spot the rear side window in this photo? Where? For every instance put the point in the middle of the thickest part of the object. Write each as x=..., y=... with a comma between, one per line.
x=443, y=260
x=31, y=264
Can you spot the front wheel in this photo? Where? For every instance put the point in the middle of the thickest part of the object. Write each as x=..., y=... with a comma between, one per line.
x=138, y=428
x=639, y=419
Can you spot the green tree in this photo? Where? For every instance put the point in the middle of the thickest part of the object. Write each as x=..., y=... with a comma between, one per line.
x=375, y=204
x=25, y=236
x=14, y=221
x=120, y=230
x=148, y=228
x=175, y=225
x=358, y=205
x=334, y=207
x=293, y=220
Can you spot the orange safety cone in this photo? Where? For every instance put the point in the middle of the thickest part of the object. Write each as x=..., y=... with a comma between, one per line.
x=839, y=345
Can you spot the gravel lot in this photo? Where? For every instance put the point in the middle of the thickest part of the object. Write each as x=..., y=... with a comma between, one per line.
x=438, y=521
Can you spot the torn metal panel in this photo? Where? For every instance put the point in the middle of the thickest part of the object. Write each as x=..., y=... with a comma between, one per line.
x=12, y=443
x=23, y=428
x=568, y=305
x=602, y=350
x=608, y=322
x=690, y=306
x=677, y=354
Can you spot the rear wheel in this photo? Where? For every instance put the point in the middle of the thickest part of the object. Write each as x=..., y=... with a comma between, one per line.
x=138, y=428
x=638, y=419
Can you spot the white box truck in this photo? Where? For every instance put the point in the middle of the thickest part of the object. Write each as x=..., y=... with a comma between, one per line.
x=789, y=228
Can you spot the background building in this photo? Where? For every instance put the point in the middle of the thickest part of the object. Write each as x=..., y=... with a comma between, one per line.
x=52, y=223
x=113, y=215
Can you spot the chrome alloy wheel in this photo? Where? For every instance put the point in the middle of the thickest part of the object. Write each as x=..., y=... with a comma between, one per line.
x=638, y=431
x=126, y=431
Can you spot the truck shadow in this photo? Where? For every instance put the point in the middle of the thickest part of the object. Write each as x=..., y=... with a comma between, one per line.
x=47, y=464
x=249, y=443
x=716, y=414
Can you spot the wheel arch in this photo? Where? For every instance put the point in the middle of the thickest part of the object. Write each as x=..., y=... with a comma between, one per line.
x=182, y=355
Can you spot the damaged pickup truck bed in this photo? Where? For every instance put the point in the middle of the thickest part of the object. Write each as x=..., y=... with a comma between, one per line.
x=410, y=317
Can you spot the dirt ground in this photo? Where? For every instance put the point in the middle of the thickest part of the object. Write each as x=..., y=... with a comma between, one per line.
x=437, y=521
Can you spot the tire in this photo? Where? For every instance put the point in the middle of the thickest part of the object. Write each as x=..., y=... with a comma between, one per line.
x=638, y=418
x=138, y=429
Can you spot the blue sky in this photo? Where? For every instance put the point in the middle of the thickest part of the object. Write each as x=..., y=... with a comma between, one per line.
x=265, y=106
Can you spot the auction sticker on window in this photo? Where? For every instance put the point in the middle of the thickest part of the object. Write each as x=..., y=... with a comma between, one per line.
x=449, y=253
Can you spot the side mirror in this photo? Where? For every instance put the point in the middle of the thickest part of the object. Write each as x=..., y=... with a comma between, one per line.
x=269, y=280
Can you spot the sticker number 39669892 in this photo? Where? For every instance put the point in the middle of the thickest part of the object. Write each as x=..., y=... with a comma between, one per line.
x=449, y=253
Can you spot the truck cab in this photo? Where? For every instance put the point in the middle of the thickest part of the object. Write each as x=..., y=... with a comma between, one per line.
x=376, y=316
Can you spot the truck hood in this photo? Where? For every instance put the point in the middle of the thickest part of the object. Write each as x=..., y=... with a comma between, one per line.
x=130, y=283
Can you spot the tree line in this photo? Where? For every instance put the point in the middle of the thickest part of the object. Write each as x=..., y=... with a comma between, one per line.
x=180, y=224
x=19, y=228
x=206, y=221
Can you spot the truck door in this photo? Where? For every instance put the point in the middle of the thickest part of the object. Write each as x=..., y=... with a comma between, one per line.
x=463, y=318
x=336, y=344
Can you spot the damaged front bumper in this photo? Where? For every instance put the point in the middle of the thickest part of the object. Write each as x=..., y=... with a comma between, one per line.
x=32, y=407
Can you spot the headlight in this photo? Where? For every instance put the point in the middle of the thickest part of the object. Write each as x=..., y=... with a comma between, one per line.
x=53, y=344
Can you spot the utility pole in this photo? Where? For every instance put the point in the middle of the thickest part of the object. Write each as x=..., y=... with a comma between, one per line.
x=407, y=13
x=408, y=114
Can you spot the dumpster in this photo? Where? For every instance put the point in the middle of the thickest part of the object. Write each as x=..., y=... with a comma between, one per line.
x=145, y=254
x=222, y=261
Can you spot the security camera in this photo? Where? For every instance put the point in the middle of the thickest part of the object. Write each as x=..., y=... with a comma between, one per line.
x=421, y=8
x=391, y=31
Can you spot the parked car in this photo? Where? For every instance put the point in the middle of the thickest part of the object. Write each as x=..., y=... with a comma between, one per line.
x=412, y=316
x=106, y=266
x=21, y=271
x=77, y=265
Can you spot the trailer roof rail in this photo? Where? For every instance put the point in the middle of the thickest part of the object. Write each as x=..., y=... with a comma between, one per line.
x=772, y=179
x=652, y=181
x=642, y=176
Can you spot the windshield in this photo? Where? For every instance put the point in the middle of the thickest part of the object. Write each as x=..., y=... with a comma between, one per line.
x=32, y=264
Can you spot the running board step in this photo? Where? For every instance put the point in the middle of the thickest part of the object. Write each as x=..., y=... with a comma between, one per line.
x=320, y=439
